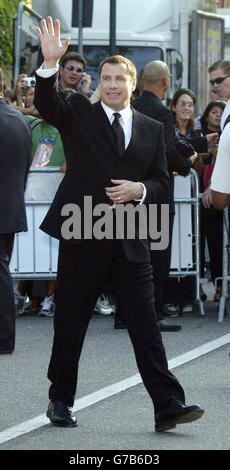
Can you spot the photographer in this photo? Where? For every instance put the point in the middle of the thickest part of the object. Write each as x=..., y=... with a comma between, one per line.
x=24, y=95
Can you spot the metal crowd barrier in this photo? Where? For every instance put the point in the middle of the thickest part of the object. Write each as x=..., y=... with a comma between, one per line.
x=185, y=259
x=35, y=253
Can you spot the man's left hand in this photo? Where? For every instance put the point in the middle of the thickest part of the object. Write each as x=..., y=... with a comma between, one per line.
x=207, y=198
x=124, y=191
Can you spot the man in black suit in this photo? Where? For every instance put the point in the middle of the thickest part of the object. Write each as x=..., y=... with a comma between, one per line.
x=15, y=142
x=155, y=83
x=112, y=159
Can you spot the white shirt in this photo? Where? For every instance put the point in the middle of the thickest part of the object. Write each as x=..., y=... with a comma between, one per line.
x=220, y=181
x=46, y=73
x=126, y=119
x=225, y=114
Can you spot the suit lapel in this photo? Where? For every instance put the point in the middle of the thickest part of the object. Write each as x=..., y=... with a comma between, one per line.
x=137, y=132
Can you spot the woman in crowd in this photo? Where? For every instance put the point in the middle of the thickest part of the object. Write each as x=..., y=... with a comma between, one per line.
x=181, y=291
x=211, y=219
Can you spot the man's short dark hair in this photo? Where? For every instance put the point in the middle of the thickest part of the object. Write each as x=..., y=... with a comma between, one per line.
x=119, y=59
x=73, y=56
x=220, y=64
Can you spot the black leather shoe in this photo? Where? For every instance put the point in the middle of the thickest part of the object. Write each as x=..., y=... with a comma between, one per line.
x=176, y=413
x=165, y=326
x=5, y=351
x=60, y=414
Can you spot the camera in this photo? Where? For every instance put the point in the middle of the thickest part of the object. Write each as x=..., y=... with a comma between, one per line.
x=30, y=81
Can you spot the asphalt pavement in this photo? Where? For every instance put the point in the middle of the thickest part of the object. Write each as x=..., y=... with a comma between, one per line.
x=124, y=418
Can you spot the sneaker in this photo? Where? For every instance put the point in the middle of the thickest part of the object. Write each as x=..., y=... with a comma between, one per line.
x=103, y=305
x=172, y=307
x=47, y=307
x=187, y=308
x=21, y=304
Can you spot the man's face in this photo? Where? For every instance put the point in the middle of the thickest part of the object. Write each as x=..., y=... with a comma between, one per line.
x=116, y=86
x=71, y=74
x=222, y=90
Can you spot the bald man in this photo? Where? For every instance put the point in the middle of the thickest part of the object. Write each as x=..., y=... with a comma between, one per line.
x=155, y=83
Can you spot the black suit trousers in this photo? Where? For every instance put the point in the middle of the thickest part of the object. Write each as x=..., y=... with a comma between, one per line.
x=82, y=270
x=7, y=308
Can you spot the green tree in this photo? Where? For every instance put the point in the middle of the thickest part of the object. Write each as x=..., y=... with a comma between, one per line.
x=8, y=11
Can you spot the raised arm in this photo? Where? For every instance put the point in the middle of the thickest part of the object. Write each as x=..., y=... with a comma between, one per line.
x=51, y=45
x=46, y=99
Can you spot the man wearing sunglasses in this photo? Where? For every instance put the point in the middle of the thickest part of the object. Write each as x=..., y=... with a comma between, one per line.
x=220, y=185
x=72, y=74
x=220, y=79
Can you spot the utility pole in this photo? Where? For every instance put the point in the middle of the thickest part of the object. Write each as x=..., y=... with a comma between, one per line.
x=112, y=28
x=80, y=27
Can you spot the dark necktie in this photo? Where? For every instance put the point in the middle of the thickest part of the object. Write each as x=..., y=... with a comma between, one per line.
x=119, y=134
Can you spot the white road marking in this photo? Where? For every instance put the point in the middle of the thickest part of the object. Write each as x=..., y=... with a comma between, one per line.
x=114, y=389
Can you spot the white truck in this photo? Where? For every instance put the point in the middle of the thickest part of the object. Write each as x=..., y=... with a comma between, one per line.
x=175, y=31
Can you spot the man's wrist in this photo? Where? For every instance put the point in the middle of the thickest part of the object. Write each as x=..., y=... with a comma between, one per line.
x=140, y=191
x=50, y=64
x=142, y=196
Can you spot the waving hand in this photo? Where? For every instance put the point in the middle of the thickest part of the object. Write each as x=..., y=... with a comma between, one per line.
x=52, y=47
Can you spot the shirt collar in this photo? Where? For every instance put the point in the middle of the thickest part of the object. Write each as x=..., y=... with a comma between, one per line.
x=125, y=113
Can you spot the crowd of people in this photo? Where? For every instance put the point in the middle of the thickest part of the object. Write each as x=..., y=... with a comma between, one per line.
x=118, y=154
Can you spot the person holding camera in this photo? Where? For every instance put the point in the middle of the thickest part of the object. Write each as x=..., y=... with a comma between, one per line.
x=23, y=94
x=46, y=150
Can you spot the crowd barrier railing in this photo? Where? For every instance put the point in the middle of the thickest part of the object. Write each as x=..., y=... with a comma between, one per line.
x=185, y=259
x=35, y=253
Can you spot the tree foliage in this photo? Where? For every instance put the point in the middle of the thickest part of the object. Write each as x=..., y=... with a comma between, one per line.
x=8, y=11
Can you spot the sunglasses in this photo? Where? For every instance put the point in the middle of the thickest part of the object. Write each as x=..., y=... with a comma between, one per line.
x=218, y=81
x=71, y=68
